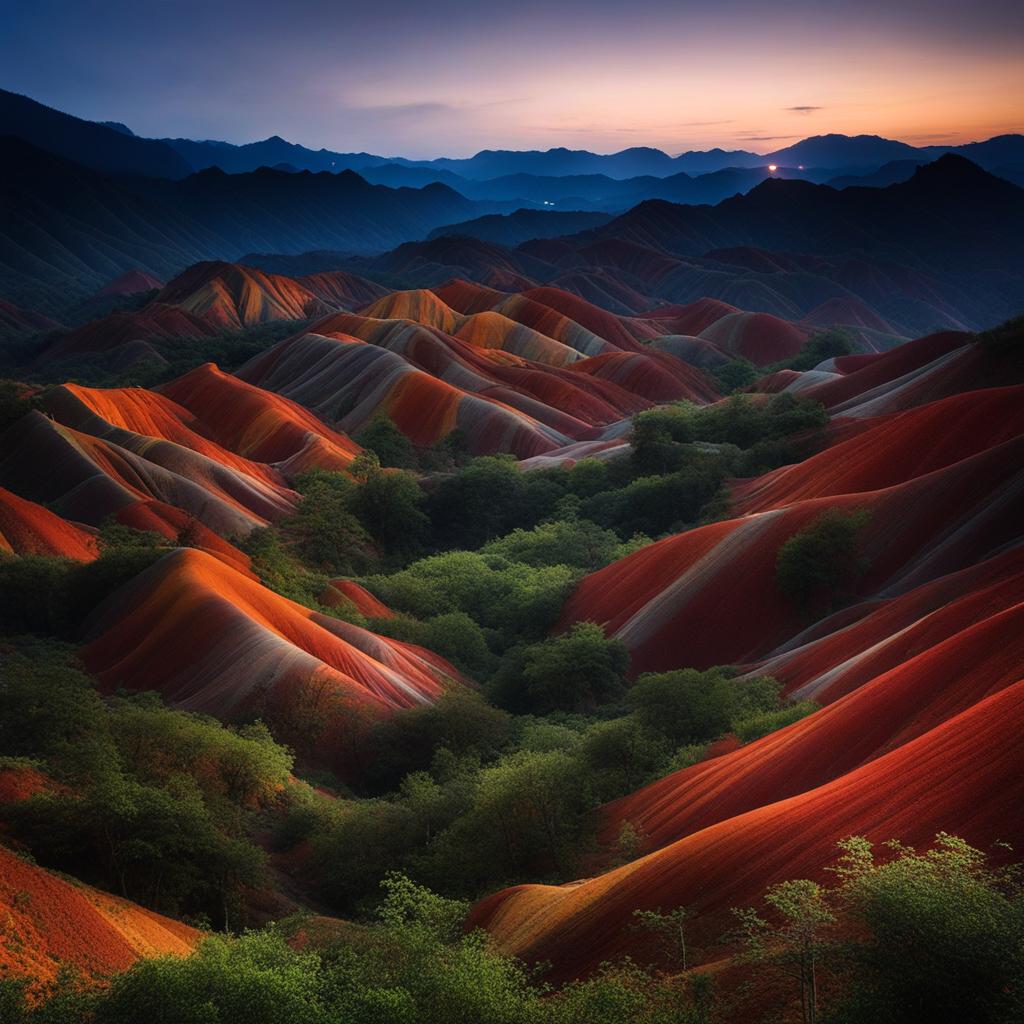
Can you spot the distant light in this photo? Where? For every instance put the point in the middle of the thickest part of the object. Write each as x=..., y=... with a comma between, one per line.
x=800, y=167
x=773, y=168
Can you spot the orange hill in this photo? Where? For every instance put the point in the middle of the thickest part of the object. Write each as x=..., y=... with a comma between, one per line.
x=50, y=922
x=521, y=377
x=259, y=424
x=29, y=529
x=210, y=639
x=229, y=296
x=962, y=776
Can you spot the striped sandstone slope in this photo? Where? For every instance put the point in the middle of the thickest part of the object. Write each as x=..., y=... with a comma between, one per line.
x=892, y=449
x=210, y=639
x=669, y=601
x=258, y=424
x=29, y=529
x=969, y=661
x=962, y=776
x=230, y=297
x=88, y=479
x=50, y=922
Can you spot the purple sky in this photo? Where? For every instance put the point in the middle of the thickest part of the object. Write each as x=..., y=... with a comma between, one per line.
x=449, y=77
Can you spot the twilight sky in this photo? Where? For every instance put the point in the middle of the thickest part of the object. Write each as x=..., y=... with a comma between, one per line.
x=424, y=78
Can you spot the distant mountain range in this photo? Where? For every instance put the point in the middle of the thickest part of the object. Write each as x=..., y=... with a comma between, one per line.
x=938, y=250
x=100, y=147
x=557, y=178
x=821, y=153
x=50, y=129
x=74, y=225
x=68, y=230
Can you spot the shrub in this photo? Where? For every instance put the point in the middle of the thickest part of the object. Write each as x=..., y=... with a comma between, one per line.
x=390, y=445
x=576, y=671
x=753, y=727
x=819, y=565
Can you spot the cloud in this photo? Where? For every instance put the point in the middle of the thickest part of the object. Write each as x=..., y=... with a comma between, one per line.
x=399, y=110
x=803, y=110
x=765, y=138
x=932, y=136
x=424, y=108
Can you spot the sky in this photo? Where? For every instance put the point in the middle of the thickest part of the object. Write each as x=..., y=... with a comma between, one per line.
x=427, y=78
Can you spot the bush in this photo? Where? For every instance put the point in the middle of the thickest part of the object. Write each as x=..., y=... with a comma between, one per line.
x=753, y=727
x=575, y=542
x=576, y=671
x=324, y=529
x=945, y=935
x=153, y=801
x=511, y=598
x=390, y=445
x=821, y=346
x=621, y=756
x=819, y=565
x=389, y=506
x=460, y=723
x=688, y=706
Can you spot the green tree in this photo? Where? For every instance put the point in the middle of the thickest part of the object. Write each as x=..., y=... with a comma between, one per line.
x=257, y=978
x=796, y=940
x=944, y=934
x=114, y=535
x=484, y=500
x=574, y=542
x=455, y=636
x=531, y=813
x=685, y=706
x=818, y=566
x=622, y=755
x=576, y=671
x=820, y=346
x=735, y=375
x=390, y=445
x=669, y=929
x=324, y=528
x=389, y=506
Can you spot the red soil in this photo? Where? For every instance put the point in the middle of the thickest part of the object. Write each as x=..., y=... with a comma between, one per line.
x=29, y=529
x=891, y=709
x=229, y=296
x=893, y=449
x=259, y=424
x=962, y=776
x=209, y=639
x=339, y=591
x=157, y=320
x=682, y=601
x=49, y=922
x=692, y=318
x=759, y=337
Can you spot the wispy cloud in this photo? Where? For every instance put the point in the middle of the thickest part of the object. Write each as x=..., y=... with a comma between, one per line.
x=766, y=138
x=425, y=108
x=931, y=135
x=596, y=128
x=803, y=110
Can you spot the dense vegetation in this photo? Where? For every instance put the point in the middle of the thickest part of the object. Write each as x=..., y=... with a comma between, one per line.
x=151, y=803
x=911, y=937
x=476, y=559
x=493, y=784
